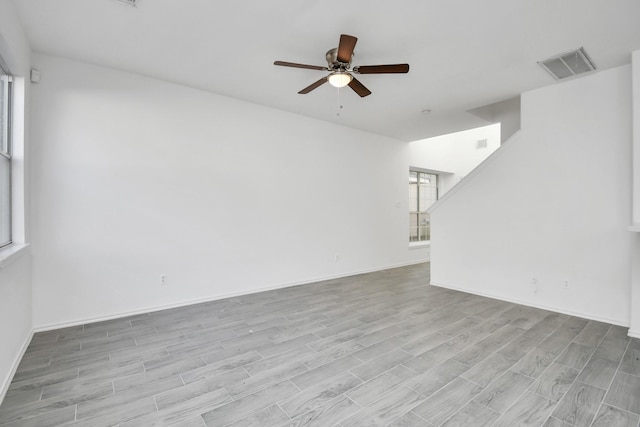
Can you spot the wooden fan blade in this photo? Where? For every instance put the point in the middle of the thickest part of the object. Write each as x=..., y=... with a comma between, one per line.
x=313, y=86
x=382, y=69
x=294, y=65
x=359, y=88
x=345, y=48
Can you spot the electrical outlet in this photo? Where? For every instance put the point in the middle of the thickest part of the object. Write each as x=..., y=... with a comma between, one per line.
x=566, y=284
x=163, y=280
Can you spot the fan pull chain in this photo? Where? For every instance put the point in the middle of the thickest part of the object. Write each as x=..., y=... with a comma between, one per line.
x=338, y=105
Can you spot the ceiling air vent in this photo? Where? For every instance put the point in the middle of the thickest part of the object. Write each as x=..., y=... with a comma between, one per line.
x=568, y=64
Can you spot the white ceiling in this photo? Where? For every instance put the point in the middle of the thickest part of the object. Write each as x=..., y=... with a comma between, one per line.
x=463, y=54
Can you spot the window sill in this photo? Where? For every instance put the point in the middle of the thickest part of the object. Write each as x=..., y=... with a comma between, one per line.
x=12, y=253
x=419, y=245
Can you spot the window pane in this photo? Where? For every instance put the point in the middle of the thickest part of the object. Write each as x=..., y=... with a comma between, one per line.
x=5, y=160
x=422, y=197
x=413, y=220
x=428, y=192
x=425, y=227
x=423, y=192
x=413, y=197
x=5, y=201
x=413, y=227
x=4, y=112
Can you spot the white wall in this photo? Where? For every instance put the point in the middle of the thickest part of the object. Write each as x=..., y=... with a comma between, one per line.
x=553, y=205
x=506, y=112
x=135, y=177
x=454, y=153
x=15, y=272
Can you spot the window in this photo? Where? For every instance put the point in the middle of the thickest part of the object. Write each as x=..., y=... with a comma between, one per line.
x=423, y=192
x=5, y=155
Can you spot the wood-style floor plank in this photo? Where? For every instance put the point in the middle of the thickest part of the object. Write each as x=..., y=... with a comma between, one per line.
x=318, y=395
x=579, y=404
x=444, y=403
x=384, y=348
x=503, y=392
x=610, y=416
x=473, y=414
x=624, y=392
x=555, y=382
x=531, y=410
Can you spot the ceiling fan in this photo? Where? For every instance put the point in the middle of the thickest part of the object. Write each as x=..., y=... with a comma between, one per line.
x=339, y=66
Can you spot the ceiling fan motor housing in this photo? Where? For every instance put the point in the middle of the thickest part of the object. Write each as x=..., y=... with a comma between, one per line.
x=334, y=64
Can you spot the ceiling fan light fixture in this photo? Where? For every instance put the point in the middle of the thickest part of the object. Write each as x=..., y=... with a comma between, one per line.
x=340, y=79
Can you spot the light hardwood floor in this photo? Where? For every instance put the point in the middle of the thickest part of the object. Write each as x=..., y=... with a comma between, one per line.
x=379, y=349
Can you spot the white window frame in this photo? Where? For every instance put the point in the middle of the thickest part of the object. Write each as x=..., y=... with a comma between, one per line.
x=5, y=149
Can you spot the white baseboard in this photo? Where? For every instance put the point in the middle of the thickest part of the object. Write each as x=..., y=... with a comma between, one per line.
x=50, y=327
x=7, y=381
x=540, y=306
